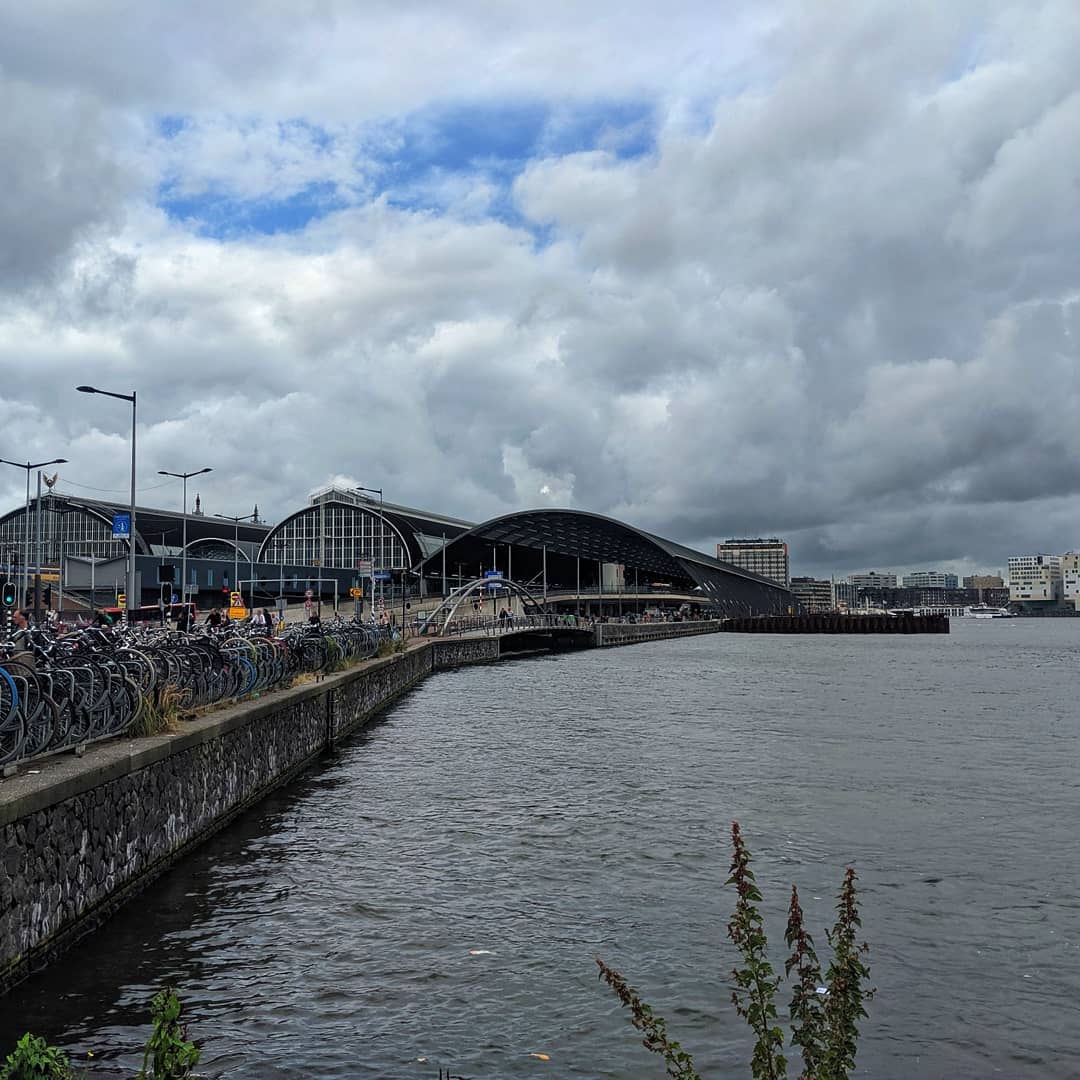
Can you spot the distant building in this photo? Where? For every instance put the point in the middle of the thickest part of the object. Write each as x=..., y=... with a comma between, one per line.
x=1070, y=577
x=844, y=594
x=983, y=581
x=872, y=580
x=1035, y=579
x=766, y=557
x=929, y=579
x=814, y=595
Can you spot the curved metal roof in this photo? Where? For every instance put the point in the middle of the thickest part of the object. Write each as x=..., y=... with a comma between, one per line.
x=151, y=524
x=585, y=535
x=399, y=524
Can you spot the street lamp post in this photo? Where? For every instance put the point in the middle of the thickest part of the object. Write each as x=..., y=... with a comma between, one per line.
x=132, y=602
x=63, y=511
x=236, y=519
x=185, y=476
x=382, y=538
x=29, y=466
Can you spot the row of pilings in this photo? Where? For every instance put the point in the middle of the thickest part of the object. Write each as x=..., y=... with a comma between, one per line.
x=838, y=624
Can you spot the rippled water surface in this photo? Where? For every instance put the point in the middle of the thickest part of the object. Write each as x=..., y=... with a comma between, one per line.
x=435, y=895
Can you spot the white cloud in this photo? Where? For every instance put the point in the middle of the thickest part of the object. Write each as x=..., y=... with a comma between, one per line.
x=837, y=299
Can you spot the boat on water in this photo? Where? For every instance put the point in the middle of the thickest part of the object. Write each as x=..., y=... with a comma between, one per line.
x=984, y=611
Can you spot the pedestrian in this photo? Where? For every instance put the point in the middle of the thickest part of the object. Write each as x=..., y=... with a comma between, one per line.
x=183, y=619
x=22, y=654
x=267, y=621
x=213, y=620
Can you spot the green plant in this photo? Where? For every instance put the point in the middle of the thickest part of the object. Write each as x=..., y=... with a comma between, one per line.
x=824, y=1012
x=173, y=1056
x=679, y=1063
x=34, y=1059
x=755, y=982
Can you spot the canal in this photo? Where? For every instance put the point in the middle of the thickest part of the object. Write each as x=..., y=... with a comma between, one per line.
x=435, y=895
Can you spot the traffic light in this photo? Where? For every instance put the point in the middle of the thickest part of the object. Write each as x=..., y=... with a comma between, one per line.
x=8, y=594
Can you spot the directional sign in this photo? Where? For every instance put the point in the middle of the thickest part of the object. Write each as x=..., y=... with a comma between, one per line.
x=382, y=575
x=121, y=526
x=364, y=565
x=356, y=593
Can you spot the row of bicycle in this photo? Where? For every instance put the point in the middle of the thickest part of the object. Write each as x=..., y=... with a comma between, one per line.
x=60, y=692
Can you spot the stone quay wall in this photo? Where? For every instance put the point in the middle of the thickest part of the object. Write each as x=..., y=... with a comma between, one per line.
x=82, y=835
x=632, y=633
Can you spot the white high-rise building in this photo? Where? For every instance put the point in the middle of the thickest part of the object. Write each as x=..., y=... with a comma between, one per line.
x=769, y=558
x=929, y=579
x=1070, y=576
x=1035, y=578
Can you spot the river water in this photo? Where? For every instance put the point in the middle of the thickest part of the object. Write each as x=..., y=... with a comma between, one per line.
x=435, y=896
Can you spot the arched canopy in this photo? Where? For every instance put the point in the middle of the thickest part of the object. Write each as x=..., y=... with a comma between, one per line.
x=339, y=534
x=85, y=528
x=574, y=545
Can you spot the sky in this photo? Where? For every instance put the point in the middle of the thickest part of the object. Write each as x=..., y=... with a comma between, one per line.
x=715, y=269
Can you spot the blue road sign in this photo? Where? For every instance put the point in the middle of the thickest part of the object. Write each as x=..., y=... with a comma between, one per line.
x=382, y=575
x=121, y=526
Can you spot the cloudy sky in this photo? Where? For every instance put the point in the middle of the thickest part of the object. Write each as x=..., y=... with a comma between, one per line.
x=716, y=269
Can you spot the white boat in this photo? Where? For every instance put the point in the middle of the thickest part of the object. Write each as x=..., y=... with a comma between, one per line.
x=984, y=611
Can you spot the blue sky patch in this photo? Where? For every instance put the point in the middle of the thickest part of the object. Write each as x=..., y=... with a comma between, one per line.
x=223, y=216
x=461, y=159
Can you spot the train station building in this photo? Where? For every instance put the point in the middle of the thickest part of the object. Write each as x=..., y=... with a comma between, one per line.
x=346, y=545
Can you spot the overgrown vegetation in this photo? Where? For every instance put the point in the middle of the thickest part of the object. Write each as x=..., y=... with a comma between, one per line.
x=163, y=712
x=34, y=1059
x=168, y=1052
x=169, y=1055
x=824, y=1012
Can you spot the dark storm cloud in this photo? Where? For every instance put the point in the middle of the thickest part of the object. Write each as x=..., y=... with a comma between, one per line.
x=833, y=294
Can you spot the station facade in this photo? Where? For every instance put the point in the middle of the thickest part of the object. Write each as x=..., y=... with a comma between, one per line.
x=347, y=543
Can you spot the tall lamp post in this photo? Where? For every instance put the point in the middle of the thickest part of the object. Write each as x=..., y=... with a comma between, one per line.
x=382, y=539
x=185, y=476
x=236, y=519
x=132, y=600
x=29, y=467
x=62, y=512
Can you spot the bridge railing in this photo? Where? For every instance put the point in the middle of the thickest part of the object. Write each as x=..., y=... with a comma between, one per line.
x=508, y=624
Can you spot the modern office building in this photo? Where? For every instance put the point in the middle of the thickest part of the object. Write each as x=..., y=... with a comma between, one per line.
x=1035, y=579
x=930, y=579
x=984, y=581
x=1070, y=578
x=767, y=557
x=872, y=580
x=814, y=595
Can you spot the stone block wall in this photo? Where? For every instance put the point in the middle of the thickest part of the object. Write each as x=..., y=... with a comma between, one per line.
x=83, y=836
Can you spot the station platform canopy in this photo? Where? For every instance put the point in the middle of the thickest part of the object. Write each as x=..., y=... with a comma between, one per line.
x=568, y=550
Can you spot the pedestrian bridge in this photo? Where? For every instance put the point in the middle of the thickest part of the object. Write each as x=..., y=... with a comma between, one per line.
x=519, y=633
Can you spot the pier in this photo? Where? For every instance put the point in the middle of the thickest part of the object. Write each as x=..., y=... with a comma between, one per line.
x=838, y=624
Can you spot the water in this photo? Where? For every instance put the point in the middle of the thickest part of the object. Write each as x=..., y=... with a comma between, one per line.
x=549, y=811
